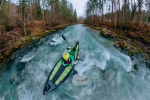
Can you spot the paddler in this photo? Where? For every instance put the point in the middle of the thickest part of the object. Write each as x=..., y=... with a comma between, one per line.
x=68, y=58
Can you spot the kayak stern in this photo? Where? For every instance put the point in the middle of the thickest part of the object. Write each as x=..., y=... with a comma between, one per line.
x=49, y=87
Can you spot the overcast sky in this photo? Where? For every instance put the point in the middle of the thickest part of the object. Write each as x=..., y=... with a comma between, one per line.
x=79, y=5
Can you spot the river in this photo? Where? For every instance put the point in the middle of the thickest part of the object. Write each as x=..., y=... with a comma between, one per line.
x=106, y=71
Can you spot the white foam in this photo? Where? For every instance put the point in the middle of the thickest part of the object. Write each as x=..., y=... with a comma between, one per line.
x=82, y=93
x=27, y=57
x=24, y=94
x=84, y=66
x=89, y=91
x=89, y=62
x=124, y=60
x=53, y=97
x=53, y=43
x=57, y=39
x=107, y=55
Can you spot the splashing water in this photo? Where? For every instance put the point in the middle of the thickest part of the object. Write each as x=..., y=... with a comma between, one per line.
x=105, y=72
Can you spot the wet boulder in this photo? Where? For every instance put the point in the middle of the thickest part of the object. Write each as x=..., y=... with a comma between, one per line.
x=106, y=33
x=147, y=64
x=135, y=67
x=20, y=66
x=122, y=44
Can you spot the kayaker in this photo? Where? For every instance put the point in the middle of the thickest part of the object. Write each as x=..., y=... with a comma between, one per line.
x=68, y=58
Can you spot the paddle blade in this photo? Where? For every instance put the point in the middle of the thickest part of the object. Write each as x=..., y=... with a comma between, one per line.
x=81, y=59
x=64, y=37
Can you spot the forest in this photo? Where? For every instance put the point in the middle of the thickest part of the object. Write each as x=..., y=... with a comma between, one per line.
x=27, y=20
x=118, y=11
x=125, y=21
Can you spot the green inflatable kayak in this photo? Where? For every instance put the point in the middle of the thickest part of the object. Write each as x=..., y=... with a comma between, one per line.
x=59, y=73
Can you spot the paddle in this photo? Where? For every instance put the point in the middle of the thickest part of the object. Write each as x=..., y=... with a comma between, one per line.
x=68, y=44
x=65, y=39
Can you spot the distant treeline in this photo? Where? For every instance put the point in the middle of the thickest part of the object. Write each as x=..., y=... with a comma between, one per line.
x=118, y=12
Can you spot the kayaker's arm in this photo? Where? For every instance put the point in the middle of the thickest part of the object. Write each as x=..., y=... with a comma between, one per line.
x=76, y=62
x=66, y=50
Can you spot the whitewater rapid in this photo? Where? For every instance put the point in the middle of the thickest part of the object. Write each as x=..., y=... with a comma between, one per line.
x=105, y=73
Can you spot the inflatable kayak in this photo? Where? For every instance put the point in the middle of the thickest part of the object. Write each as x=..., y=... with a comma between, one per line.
x=59, y=73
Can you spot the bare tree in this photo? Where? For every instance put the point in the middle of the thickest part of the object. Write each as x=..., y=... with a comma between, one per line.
x=1, y=5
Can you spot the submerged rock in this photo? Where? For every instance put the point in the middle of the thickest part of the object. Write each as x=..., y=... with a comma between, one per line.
x=108, y=75
x=147, y=64
x=15, y=80
x=80, y=80
x=135, y=67
x=20, y=66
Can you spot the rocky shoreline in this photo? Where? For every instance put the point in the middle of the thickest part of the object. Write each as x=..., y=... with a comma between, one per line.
x=127, y=44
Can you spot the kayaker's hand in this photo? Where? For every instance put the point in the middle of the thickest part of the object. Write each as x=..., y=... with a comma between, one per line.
x=78, y=57
x=68, y=48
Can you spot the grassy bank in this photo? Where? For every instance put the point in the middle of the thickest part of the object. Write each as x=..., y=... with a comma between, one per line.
x=37, y=32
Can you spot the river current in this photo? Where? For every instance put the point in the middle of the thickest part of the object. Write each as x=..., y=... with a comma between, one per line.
x=105, y=73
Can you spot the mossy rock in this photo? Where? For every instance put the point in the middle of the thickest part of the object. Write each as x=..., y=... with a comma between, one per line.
x=102, y=33
x=43, y=34
x=53, y=30
x=98, y=28
x=116, y=45
x=131, y=53
x=105, y=30
x=122, y=45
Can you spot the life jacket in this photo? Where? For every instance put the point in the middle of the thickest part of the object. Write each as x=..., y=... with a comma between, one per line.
x=66, y=63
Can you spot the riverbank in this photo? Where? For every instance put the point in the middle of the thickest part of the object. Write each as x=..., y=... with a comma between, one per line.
x=14, y=41
x=132, y=39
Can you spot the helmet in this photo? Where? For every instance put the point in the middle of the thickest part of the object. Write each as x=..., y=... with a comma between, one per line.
x=66, y=56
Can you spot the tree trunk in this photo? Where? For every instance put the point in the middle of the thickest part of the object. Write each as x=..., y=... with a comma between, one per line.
x=43, y=9
x=139, y=15
x=10, y=13
x=1, y=5
x=112, y=16
x=102, y=12
x=118, y=13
